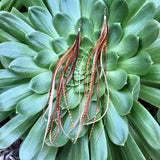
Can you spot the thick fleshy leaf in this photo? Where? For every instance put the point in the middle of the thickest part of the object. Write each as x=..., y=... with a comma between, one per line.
x=86, y=43
x=86, y=27
x=122, y=100
x=145, y=125
x=8, y=78
x=53, y=6
x=42, y=20
x=134, y=6
x=71, y=8
x=140, y=19
x=9, y=98
x=116, y=126
x=97, y=14
x=86, y=6
x=131, y=150
x=72, y=99
x=14, y=25
x=26, y=67
x=12, y=130
x=41, y=83
x=45, y=57
x=112, y=59
x=117, y=79
x=32, y=144
x=158, y=116
x=63, y=24
x=134, y=85
x=154, y=51
x=15, y=49
x=60, y=45
x=153, y=75
x=32, y=104
x=4, y=115
x=157, y=15
x=149, y=33
x=78, y=151
x=98, y=143
x=29, y=3
x=114, y=35
x=150, y=95
x=4, y=37
x=38, y=40
x=21, y=16
x=121, y=13
x=127, y=47
x=140, y=64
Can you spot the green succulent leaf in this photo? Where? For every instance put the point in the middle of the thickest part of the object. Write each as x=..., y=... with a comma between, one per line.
x=29, y=3
x=134, y=85
x=8, y=78
x=145, y=125
x=114, y=35
x=4, y=115
x=60, y=45
x=14, y=50
x=127, y=47
x=45, y=57
x=63, y=24
x=78, y=151
x=139, y=65
x=117, y=79
x=149, y=33
x=41, y=83
x=140, y=19
x=71, y=8
x=31, y=105
x=122, y=100
x=116, y=126
x=25, y=67
x=12, y=130
x=151, y=95
x=31, y=150
x=98, y=143
x=53, y=6
x=42, y=20
x=39, y=41
x=121, y=13
x=97, y=14
x=131, y=150
x=9, y=98
x=14, y=26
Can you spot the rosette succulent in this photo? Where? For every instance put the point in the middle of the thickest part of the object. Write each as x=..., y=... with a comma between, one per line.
x=107, y=50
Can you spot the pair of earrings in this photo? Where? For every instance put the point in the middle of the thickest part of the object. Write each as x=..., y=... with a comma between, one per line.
x=68, y=63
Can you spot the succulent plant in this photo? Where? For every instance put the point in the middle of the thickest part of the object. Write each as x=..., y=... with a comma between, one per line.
x=33, y=42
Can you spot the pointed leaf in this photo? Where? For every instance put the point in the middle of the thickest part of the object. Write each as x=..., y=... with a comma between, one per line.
x=15, y=49
x=42, y=20
x=134, y=85
x=4, y=115
x=26, y=67
x=149, y=33
x=41, y=83
x=145, y=125
x=116, y=126
x=140, y=19
x=140, y=64
x=30, y=150
x=151, y=95
x=13, y=129
x=98, y=142
x=38, y=40
x=9, y=98
x=8, y=78
x=29, y=3
x=53, y=6
x=32, y=104
x=117, y=79
x=45, y=57
x=63, y=25
x=14, y=26
x=122, y=100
